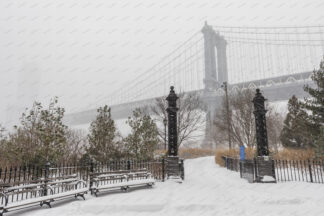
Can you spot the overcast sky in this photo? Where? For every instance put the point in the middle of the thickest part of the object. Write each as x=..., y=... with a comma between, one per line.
x=82, y=50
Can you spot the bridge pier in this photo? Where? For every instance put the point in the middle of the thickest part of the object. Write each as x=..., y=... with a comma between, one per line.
x=215, y=75
x=212, y=103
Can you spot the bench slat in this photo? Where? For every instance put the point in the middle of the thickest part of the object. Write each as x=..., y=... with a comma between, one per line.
x=124, y=184
x=22, y=187
x=63, y=181
x=118, y=172
x=63, y=177
x=44, y=198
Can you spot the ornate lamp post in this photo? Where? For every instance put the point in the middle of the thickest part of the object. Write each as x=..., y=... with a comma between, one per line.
x=260, y=124
x=264, y=165
x=165, y=121
x=172, y=123
x=174, y=168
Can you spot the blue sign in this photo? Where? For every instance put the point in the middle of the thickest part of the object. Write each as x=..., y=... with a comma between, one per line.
x=242, y=152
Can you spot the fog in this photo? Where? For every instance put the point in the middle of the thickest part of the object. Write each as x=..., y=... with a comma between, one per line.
x=82, y=50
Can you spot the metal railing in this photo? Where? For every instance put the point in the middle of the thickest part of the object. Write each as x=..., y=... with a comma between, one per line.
x=285, y=170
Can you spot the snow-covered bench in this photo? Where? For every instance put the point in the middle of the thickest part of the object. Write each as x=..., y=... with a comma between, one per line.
x=123, y=180
x=16, y=197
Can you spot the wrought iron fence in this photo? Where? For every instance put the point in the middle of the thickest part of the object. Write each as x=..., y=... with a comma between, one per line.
x=156, y=167
x=29, y=182
x=247, y=170
x=285, y=170
x=299, y=170
x=232, y=163
x=245, y=167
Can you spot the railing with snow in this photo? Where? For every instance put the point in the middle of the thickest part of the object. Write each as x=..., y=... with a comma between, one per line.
x=300, y=170
x=285, y=170
x=156, y=167
x=20, y=184
x=245, y=167
x=33, y=182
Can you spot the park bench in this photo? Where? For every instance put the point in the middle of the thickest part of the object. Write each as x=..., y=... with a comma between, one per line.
x=15, y=197
x=122, y=179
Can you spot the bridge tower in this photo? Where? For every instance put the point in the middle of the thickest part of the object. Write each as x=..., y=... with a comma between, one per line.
x=215, y=74
x=215, y=58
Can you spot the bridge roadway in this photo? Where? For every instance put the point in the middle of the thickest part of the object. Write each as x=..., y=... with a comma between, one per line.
x=274, y=89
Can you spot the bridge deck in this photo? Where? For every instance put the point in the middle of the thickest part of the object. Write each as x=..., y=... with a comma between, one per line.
x=275, y=89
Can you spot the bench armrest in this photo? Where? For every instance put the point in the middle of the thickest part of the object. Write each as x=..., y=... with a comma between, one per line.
x=82, y=182
x=2, y=194
x=50, y=188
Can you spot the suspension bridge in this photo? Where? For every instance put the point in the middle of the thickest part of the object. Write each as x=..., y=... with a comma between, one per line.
x=279, y=60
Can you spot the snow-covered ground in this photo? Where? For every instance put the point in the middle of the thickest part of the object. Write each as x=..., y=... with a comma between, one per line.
x=207, y=190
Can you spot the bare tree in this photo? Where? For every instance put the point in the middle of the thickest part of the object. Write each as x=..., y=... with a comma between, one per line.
x=191, y=117
x=2, y=132
x=242, y=124
x=77, y=142
x=274, y=127
x=3, y=142
x=160, y=116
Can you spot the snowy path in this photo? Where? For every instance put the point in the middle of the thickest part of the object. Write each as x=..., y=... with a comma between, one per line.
x=207, y=190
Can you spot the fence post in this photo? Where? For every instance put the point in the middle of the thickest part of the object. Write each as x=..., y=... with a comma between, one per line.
x=274, y=170
x=241, y=168
x=255, y=169
x=47, y=166
x=91, y=174
x=182, y=170
x=128, y=165
x=310, y=171
x=226, y=163
x=163, y=171
x=5, y=176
